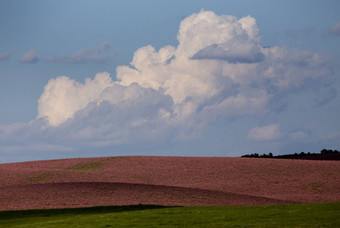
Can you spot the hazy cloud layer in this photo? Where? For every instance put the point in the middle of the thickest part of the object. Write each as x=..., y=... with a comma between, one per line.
x=30, y=57
x=5, y=55
x=99, y=54
x=265, y=133
x=334, y=31
x=326, y=97
x=218, y=70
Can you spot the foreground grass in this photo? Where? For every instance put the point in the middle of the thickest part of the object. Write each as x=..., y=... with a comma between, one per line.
x=298, y=215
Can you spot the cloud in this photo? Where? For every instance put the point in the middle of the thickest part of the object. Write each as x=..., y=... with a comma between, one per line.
x=235, y=53
x=99, y=54
x=219, y=70
x=103, y=110
x=266, y=133
x=196, y=87
x=326, y=97
x=333, y=135
x=5, y=55
x=30, y=57
x=126, y=115
x=235, y=41
x=334, y=31
x=62, y=97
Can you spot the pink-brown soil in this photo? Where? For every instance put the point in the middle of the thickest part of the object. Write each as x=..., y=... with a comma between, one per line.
x=187, y=181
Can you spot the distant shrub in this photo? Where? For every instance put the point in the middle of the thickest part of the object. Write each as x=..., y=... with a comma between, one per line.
x=325, y=151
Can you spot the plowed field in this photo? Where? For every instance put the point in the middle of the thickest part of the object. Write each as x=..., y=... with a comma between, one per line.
x=187, y=181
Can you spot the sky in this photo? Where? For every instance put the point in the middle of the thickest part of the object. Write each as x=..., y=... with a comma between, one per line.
x=168, y=78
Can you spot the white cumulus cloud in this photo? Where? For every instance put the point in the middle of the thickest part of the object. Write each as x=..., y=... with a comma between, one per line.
x=62, y=96
x=219, y=68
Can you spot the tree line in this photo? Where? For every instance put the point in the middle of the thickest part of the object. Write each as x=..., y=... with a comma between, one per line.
x=324, y=155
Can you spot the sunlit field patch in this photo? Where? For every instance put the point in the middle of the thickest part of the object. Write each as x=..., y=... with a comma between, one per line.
x=89, y=166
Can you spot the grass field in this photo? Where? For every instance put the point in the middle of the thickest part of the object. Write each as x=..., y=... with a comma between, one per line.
x=296, y=215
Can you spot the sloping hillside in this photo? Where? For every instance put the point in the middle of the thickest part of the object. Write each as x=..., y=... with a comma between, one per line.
x=185, y=181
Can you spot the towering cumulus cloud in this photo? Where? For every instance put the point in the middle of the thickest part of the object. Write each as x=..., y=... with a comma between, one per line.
x=62, y=97
x=218, y=69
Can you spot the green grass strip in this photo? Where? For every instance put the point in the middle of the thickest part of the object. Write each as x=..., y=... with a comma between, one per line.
x=297, y=215
x=86, y=167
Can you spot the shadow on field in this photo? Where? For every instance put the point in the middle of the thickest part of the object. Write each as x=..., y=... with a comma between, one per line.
x=70, y=211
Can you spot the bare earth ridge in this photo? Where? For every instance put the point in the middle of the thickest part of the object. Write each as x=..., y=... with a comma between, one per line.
x=186, y=181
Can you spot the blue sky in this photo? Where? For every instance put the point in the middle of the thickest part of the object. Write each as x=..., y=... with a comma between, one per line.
x=173, y=78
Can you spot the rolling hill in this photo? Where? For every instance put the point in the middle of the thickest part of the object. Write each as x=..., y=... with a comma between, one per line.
x=185, y=181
